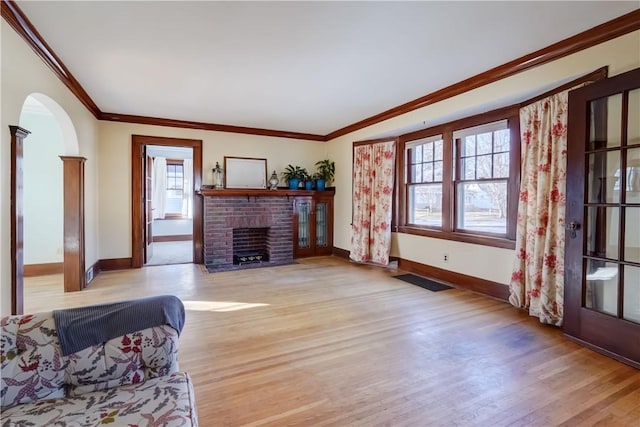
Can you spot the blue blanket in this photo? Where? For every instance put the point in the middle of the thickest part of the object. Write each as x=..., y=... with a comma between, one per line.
x=79, y=328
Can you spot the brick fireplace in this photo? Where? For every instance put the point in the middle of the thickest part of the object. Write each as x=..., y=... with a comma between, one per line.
x=262, y=222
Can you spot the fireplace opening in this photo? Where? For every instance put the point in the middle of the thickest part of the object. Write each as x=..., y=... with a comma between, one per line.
x=250, y=245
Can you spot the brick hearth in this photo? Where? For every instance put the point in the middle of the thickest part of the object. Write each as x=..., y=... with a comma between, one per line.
x=224, y=213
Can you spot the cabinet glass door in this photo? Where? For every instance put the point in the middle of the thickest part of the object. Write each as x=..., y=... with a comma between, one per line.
x=303, y=211
x=321, y=225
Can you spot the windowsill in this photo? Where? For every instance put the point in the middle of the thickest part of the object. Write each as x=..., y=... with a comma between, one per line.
x=498, y=242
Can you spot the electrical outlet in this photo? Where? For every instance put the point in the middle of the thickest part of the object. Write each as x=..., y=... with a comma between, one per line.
x=445, y=258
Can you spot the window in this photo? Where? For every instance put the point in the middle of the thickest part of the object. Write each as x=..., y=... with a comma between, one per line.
x=425, y=181
x=461, y=179
x=482, y=160
x=175, y=187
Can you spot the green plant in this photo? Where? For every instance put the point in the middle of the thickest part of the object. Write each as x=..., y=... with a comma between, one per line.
x=294, y=172
x=325, y=170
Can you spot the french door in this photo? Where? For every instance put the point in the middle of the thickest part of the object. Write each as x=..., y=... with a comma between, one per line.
x=602, y=252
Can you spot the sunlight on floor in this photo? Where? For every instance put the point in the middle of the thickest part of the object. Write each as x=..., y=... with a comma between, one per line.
x=220, y=306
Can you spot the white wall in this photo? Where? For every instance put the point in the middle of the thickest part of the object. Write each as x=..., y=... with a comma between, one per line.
x=621, y=54
x=23, y=73
x=43, y=195
x=115, y=169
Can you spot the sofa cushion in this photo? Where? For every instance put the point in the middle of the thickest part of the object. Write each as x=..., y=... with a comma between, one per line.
x=163, y=401
x=128, y=359
x=31, y=361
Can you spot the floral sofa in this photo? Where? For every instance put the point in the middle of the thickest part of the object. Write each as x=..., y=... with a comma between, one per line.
x=130, y=380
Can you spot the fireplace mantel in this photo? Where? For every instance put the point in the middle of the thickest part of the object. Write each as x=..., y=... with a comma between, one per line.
x=240, y=192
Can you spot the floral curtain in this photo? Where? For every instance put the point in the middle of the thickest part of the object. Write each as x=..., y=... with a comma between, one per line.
x=537, y=282
x=373, y=176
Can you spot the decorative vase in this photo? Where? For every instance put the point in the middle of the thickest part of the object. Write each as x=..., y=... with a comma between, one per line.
x=320, y=184
x=273, y=181
x=294, y=183
x=308, y=185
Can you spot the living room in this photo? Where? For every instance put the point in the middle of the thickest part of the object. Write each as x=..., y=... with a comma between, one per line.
x=105, y=141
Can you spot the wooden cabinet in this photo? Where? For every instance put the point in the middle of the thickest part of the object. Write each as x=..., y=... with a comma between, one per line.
x=313, y=224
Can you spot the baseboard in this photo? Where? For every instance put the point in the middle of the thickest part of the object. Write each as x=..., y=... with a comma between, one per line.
x=341, y=253
x=115, y=264
x=458, y=280
x=31, y=270
x=174, y=238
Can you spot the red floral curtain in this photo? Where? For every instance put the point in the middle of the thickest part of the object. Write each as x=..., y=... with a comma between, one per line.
x=537, y=282
x=373, y=175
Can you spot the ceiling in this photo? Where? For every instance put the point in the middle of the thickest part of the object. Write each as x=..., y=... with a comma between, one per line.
x=311, y=67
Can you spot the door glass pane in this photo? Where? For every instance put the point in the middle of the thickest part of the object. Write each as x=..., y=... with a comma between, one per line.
x=602, y=232
x=602, y=286
x=632, y=293
x=632, y=234
x=633, y=126
x=632, y=184
x=321, y=225
x=606, y=123
x=603, y=177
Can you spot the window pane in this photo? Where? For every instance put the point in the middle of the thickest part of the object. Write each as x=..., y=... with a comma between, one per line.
x=483, y=166
x=469, y=146
x=425, y=205
x=501, y=165
x=427, y=172
x=484, y=143
x=437, y=171
x=427, y=152
x=438, y=149
x=501, y=140
x=482, y=207
x=416, y=173
x=416, y=154
x=469, y=168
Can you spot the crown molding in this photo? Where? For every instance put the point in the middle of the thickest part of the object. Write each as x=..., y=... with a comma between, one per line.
x=125, y=118
x=596, y=35
x=21, y=24
x=584, y=40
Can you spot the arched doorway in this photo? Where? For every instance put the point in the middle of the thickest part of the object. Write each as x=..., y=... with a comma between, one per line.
x=41, y=190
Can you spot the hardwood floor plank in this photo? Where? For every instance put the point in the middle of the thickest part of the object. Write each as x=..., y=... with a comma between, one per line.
x=325, y=342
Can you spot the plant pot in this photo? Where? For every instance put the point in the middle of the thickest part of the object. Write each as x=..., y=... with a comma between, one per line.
x=294, y=183
x=308, y=185
x=320, y=184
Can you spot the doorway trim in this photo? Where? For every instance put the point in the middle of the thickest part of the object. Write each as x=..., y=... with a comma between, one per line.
x=138, y=142
x=18, y=135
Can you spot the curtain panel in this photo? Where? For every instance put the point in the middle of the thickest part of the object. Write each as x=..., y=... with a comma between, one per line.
x=373, y=179
x=537, y=282
x=159, y=188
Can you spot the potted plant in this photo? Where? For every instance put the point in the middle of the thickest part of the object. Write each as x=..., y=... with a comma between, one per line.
x=308, y=181
x=293, y=175
x=324, y=174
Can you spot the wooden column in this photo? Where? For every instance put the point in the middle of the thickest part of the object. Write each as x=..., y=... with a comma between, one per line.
x=74, y=274
x=17, y=242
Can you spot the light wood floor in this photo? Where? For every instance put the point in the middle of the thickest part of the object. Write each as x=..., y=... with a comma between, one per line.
x=324, y=342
